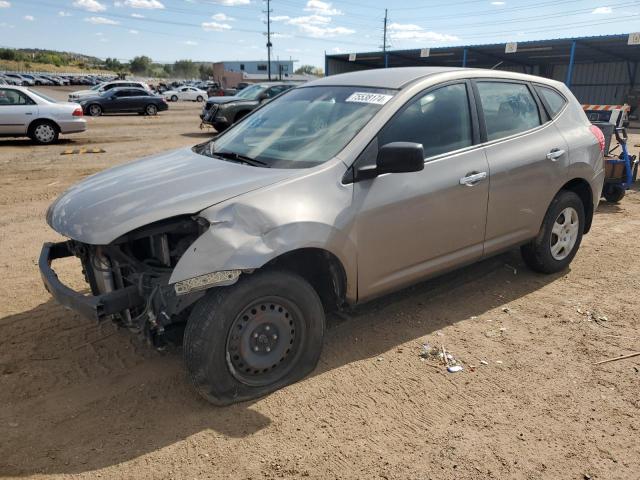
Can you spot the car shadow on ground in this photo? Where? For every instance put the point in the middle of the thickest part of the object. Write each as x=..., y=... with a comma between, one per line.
x=206, y=134
x=78, y=397
x=26, y=142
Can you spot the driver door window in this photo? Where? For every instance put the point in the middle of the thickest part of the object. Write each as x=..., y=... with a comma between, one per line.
x=440, y=120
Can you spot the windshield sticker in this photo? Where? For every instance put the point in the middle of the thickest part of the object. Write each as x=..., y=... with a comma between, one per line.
x=365, y=97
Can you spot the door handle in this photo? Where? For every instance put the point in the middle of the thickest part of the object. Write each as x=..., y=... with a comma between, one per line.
x=473, y=178
x=28, y=113
x=555, y=154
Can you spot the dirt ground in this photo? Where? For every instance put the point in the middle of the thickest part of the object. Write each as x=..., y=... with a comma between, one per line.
x=88, y=401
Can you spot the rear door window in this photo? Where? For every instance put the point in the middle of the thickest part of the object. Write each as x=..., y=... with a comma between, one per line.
x=555, y=102
x=508, y=108
x=440, y=120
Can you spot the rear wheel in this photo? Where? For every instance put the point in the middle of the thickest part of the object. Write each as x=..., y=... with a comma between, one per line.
x=174, y=98
x=252, y=338
x=151, y=109
x=95, y=110
x=613, y=193
x=560, y=236
x=44, y=132
x=200, y=99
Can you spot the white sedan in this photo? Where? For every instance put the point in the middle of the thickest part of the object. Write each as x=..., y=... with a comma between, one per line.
x=192, y=94
x=27, y=113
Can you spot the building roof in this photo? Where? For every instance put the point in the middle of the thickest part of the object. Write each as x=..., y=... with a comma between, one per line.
x=595, y=49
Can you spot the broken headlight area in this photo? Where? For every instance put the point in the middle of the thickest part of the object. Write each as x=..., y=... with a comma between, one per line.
x=145, y=259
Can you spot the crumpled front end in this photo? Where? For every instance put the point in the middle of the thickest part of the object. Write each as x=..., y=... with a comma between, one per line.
x=129, y=278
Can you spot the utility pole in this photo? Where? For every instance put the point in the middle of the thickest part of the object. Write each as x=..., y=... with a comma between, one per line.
x=269, y=44
x=384, y=35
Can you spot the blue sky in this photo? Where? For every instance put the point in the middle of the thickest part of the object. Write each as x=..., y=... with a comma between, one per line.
x=212, y=30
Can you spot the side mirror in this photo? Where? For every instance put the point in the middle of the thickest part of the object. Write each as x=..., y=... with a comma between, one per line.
x=400, y=157
x=263, y=96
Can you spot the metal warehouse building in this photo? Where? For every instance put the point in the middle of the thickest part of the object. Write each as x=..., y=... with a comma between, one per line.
x=599, y=70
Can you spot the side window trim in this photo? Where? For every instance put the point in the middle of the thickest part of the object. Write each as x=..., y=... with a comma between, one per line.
x=473, y=114
x=482, y=122
x=545, y=114
x=547, y=107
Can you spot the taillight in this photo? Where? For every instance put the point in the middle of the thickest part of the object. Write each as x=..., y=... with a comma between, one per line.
x=78, y=112
x=599, y=136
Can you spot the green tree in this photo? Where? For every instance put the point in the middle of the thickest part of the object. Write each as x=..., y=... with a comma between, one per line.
x=185, y=69
x=309, y=70
x=113, y=64
x=206, y=71
x=140, y=65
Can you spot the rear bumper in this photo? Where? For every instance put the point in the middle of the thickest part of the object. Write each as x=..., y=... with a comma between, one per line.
x=95, y=307
x=73, y=126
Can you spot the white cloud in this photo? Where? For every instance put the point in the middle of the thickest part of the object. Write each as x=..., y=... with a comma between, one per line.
x=191, y=43
x=6, y=25
x=62, y=13
x=137, y=15
x=146, y=4
x=101, y=21
x=498, y=3
x=99, y=34
x=4, y=4
x=281, y=35
x=215, y=26
x=310, y=20
x=322, y=8
x=320, y=32
x=134, y=32
x=279, y=18
x=221, y=17
x=602, y=11
x=409, y=31
x=29, y=18
x=90, y=5
x=232, y=3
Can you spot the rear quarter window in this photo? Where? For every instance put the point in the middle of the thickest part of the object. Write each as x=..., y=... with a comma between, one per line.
x=555, y=102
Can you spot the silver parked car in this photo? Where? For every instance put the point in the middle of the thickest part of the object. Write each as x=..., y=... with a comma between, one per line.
x=337, y=192
x=27, y=113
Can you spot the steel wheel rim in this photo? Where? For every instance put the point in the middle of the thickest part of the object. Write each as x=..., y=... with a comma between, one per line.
x=264, y=341
x=564, y=233
x=94, y=110
x=45, y=133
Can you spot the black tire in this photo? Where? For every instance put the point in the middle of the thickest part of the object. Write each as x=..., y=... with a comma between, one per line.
x=44, y=132
x=94, y=110
x=215, y=352
x=538, y=254
x=220, y=127
x=151, y=110
x=200, y=99
x=613, y=193
x=174, y=98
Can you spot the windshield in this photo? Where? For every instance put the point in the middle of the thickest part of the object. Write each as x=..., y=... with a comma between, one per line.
x=251, y=93
x=43, y=96
x=302, y=128
x=98, y=87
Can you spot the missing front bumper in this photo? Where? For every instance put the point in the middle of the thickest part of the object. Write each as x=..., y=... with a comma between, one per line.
x=95, y=307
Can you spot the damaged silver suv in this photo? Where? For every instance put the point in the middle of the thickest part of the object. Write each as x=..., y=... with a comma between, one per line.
x=336, y=192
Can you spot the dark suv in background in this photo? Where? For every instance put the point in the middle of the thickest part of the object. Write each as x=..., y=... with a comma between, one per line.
x=222, y=112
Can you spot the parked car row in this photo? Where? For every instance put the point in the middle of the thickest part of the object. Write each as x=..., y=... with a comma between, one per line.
x=49, y=79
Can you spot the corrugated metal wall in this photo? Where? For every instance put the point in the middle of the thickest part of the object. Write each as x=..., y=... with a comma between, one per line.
x=335, y=66
x=597, y=83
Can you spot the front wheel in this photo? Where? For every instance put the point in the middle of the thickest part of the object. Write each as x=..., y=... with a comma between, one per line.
x=252, y=338
x=559, y=237
x=200, y=99
x=95, y=110
x=174, y=98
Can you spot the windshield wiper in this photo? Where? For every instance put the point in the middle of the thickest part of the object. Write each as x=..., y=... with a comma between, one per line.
x=241, y=158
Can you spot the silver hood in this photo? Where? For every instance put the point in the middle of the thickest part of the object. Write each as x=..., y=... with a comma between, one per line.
x=109, y=204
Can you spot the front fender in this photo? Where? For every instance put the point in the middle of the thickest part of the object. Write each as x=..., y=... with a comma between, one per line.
x=247, y=232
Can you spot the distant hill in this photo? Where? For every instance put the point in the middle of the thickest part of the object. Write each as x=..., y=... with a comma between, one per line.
x=51, y=60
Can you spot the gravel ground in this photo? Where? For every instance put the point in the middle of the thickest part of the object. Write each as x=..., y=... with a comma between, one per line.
x=88, y=401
